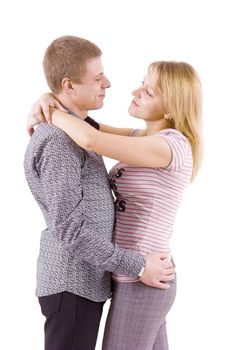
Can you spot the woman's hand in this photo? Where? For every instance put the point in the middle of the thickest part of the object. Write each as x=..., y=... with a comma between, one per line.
x=40, y=111
x=32, y=121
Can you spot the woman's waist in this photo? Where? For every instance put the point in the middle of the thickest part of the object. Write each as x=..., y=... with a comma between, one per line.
x=128, y=279
x=142, y=239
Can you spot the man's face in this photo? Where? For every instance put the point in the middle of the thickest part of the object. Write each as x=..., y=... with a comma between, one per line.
x=90, y=93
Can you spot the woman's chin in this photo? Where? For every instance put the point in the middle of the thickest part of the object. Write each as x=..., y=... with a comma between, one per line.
x=132, y=112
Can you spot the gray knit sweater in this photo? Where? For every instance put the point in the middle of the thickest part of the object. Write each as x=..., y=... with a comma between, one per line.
x=71, y=187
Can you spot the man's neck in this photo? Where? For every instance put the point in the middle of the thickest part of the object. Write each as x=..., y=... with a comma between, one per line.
x=70, y=106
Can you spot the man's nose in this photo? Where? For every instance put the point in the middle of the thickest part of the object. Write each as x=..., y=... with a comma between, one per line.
x=106, y=83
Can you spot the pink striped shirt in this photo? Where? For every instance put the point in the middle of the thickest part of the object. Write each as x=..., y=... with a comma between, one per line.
x=147, y=199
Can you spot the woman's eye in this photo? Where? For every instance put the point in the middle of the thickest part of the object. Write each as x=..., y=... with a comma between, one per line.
x=149, y=94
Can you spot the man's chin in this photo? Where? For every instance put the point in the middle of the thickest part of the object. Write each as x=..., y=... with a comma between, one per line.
x=97, y=106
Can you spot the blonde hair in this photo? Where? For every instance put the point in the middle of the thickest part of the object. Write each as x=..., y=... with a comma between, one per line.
x=182, y=94
x=66, y=57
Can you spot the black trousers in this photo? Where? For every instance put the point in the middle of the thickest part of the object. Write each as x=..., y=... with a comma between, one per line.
x=72, y=322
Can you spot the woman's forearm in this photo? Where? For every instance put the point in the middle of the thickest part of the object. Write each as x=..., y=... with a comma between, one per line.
x=116, y=131
x=148, y=151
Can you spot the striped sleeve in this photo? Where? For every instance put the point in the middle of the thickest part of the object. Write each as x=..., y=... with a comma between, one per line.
x=180, y=148
x=134, y=132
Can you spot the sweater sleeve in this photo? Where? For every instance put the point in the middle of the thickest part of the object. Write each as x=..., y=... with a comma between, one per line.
x=59, y=169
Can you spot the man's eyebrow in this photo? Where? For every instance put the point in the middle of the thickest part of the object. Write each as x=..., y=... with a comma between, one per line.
x=99, y=75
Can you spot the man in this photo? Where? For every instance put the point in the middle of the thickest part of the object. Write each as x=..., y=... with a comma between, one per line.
x=72, y=190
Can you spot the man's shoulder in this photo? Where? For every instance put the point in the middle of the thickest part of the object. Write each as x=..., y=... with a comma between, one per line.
x=45, y=131
x=47, y=136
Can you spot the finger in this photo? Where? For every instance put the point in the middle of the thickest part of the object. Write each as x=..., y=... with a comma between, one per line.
x=168, y=264
x=45, y=111
x=169, y=271
x=167, y=278
x=57, y=104
x=30, y=131
x=161, y=285
x=38, y=115
x=162, y=256
x=54, y=104
x=47, y=115
x=37, y=112
x=35, y=117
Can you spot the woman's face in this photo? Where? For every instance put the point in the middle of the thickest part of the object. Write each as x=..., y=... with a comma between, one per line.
x=148, y=102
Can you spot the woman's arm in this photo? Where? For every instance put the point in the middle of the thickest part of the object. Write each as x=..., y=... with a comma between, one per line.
x=148, y=151
x=116, y=131
x=40, y=111
x=40, y=108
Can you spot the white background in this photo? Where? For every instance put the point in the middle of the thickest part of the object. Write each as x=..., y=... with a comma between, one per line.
x=131, y=34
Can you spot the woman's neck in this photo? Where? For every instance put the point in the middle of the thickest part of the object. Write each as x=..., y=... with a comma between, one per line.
x=152, y=127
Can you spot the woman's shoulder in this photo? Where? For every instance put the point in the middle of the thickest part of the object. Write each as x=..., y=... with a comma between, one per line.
x=174, y=134
x=171, y=132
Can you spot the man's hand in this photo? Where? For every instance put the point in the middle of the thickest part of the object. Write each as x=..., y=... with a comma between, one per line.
x=159, y=270
x=40, y=111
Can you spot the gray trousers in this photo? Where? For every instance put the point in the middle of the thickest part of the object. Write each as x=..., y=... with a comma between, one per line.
x=136, y=318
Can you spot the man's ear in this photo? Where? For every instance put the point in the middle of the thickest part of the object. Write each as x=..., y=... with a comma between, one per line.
x=68, y=86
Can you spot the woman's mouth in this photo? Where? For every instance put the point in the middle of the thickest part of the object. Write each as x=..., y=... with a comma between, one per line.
x=133, y=102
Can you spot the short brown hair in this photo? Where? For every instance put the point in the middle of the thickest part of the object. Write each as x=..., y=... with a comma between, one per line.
x=66, y=57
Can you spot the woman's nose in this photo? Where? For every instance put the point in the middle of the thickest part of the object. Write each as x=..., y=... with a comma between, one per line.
x=136, y=92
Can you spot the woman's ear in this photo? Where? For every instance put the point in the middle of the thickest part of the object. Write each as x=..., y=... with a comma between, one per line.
x=167, y=116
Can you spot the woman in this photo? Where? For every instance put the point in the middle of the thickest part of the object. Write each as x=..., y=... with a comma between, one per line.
x=155, y=166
